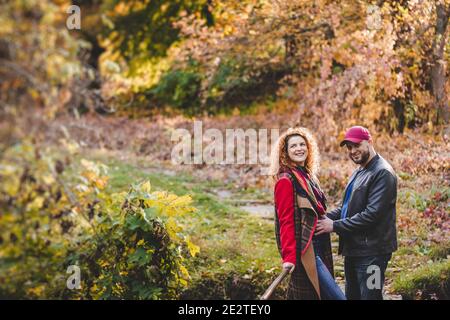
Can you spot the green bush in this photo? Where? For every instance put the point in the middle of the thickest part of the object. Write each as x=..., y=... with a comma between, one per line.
x=238, y=83
x=138, y=251
x=232, y=84
x=179, y=89
x=127, y=245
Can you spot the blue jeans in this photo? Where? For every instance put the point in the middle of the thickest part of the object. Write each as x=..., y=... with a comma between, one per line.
x=364, y=277
x=329, y=290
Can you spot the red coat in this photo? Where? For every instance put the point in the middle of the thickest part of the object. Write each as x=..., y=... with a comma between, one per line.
x=295, y=224
x=284, y=201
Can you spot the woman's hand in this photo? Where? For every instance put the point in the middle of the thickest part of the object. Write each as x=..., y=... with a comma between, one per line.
x=289, y=266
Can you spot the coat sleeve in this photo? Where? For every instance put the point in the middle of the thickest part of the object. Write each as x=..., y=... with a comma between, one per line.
x=335, y=214
x=284, y=202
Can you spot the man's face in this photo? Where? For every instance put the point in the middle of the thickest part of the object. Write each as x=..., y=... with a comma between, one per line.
x=358, y=152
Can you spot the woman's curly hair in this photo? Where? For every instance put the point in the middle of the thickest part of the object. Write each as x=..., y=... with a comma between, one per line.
x=279, y=158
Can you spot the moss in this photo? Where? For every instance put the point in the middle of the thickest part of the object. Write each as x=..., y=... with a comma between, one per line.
x=429, y=281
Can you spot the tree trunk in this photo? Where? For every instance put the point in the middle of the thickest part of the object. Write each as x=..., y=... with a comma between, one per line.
x=438, y=71
x=290, y=44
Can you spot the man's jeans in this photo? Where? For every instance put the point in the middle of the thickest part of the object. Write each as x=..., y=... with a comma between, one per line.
x=364, y=277
x=329, y=290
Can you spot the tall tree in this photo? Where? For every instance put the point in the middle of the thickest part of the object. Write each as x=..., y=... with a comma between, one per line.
x=438, y=69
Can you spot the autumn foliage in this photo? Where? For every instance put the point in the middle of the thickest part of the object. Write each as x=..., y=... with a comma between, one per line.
x=138, y=70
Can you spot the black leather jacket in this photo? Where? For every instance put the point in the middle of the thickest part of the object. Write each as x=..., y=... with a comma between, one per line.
x=369, y=228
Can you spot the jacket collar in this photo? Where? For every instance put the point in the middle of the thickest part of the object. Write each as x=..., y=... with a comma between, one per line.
x=372, y=162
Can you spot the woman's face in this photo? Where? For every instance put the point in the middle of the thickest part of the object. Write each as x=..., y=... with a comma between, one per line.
x=297, y=150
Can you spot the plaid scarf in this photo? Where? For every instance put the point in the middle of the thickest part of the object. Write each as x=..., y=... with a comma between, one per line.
x=307, y=187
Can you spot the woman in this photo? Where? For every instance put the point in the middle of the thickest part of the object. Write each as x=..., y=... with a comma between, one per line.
x=299, y=203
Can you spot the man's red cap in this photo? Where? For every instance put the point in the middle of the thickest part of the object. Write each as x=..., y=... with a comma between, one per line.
x=356, y=134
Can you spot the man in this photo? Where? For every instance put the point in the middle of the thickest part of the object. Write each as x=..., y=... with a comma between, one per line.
x=365, y=222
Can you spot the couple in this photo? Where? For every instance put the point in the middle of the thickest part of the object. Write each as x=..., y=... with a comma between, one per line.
x=365, y=221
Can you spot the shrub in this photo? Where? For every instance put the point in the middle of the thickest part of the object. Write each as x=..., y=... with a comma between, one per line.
x=138, y=251
x=127, y=245
x=179, y=88
x=233, y=84
x=239, y=83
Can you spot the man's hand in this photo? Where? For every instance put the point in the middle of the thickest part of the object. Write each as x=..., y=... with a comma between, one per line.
x=324, y=225
x=289, y=266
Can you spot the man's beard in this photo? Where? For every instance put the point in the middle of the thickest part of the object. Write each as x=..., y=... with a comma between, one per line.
x=364, y=157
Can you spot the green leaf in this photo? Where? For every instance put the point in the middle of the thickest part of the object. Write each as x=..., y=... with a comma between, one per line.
x=140, y=257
